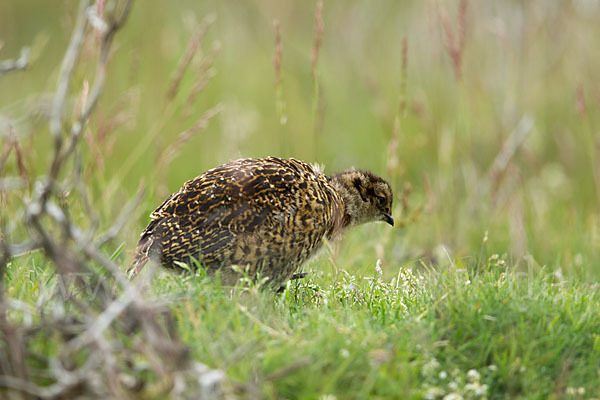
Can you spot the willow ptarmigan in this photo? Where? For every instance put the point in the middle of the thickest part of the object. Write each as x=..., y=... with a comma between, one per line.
x=264, y=215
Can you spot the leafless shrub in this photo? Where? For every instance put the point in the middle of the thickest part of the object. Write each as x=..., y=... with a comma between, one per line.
x=110, y=336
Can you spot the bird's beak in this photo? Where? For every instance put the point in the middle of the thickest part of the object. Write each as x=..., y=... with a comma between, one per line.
x=388, y=218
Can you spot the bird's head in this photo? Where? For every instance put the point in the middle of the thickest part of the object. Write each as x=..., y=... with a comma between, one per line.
x=367, y=197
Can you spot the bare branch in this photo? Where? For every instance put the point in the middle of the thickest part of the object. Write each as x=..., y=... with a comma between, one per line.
x=20, y=249
x=85, y=244
x=68, y=64
x=15, y=65
x=122, y=219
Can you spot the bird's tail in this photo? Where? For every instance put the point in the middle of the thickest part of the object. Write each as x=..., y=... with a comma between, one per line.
x=142, y=256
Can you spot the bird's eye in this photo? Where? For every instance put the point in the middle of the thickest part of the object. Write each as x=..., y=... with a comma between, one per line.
x=381, y=200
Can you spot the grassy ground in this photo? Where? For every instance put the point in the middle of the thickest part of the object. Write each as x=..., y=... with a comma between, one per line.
x=487, y=286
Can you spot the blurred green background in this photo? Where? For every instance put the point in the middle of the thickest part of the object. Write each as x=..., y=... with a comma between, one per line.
x=528, y=68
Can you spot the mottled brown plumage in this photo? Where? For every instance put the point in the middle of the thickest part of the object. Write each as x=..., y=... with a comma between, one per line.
x=267, y=216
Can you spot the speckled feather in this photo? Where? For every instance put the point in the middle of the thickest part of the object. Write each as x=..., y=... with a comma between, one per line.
x=268, y=215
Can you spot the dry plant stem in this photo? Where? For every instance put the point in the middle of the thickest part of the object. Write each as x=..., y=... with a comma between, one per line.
x=455, y=43
x=318, y=38
x=122, y=218
x=157, y=128
x=94, y=330
x=202, y=82
x=394, y=143
x=171, y=152
x=15, y=65
x=282, y=373
x=192, y=49
x=277, y=59
x=317, y=106
x=84, y=243
x=66, y=70
x=510, y=147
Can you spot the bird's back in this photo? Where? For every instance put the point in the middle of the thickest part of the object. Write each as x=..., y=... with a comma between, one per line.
x=268, y=215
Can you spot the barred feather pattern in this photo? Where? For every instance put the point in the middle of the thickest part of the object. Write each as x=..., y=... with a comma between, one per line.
x=267, y=216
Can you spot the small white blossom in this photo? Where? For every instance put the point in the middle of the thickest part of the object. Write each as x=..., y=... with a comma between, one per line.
x=473, y=375
x=378, y=267
x=328, y=397
x=453, y=396
x=433, y=393
x=431, y=367
x=477, y=389
x=443, y=375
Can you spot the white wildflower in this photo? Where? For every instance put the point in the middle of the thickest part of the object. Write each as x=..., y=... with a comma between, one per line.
x=378, y=267
x=453, y=396
x=473, y=375
x=431, y=367
x=443, y=375
x=477, y=389
x=433, y=393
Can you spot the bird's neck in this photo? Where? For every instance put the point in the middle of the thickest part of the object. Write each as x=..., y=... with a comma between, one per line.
x=343, y=186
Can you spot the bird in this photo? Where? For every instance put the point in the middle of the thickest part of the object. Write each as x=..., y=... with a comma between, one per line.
x=266, y=216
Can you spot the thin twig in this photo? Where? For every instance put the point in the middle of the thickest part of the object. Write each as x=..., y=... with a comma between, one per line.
x=122, y=218
x=68, y=64
x=192, y=49
x=282, y=373
x=19, y=64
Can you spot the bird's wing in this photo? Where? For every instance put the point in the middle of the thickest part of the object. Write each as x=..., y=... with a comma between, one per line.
x=233, y=200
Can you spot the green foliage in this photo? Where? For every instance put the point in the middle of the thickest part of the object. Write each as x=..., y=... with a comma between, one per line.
x=490, y=333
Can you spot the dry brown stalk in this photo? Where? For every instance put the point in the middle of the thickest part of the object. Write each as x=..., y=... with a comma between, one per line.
x=318, y=107
x=204, y=77
x=318, y=38
x=15, y=65
x=393, y=164
x=277, y=57
x=278, y=53
x=167, y=156
x=580, y=100
x=192, y=49
x=455, y=43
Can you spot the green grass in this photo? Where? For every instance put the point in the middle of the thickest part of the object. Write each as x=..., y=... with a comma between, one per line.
x=523, y=335
x=476, y=331
x=525, y=323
